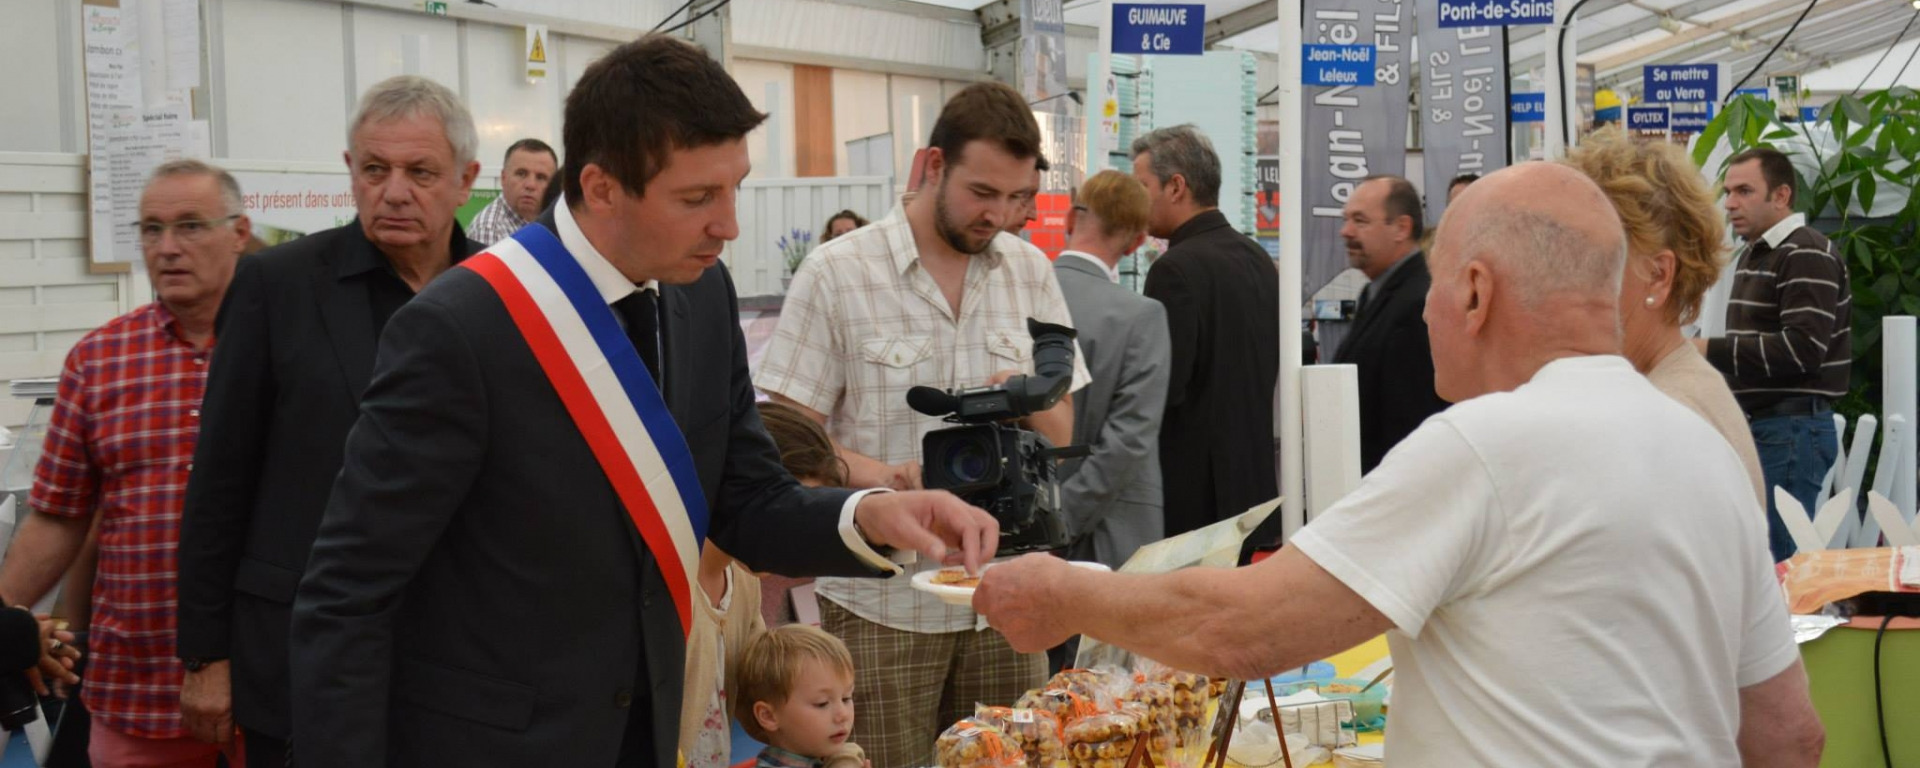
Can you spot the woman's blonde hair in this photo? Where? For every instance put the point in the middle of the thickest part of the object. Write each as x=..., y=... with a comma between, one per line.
x=1664, y=204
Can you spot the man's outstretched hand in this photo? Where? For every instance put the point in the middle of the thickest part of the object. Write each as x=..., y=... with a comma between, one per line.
x=936, y=524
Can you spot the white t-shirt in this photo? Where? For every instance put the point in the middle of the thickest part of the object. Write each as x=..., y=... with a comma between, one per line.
x=1577, y=574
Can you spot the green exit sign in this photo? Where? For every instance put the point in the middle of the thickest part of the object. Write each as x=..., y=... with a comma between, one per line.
x=1787, y=85
x=437, y=7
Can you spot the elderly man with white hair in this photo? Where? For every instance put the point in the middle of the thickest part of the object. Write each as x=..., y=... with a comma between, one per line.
x=1568, y=565
x=297, y=338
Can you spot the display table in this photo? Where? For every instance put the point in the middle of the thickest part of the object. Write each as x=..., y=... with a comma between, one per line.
x=1840, y=672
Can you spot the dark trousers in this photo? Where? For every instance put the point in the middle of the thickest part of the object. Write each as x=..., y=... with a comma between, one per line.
x=1795, y=454
x=267, y=751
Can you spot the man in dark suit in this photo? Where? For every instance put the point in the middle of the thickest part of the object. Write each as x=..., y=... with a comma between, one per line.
x=488, y=586
x=1388, y=340
x=297, y=337
x=1222, y=295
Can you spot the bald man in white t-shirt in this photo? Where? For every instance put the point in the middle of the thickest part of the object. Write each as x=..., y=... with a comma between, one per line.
x=1570, y=567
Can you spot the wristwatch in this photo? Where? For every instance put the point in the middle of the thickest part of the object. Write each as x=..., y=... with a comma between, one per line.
x=195, y=665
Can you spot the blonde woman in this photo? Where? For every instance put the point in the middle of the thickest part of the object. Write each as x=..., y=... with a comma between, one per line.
x=1673, y=257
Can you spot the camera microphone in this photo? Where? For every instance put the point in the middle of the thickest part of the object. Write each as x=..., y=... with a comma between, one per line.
x=932, y=401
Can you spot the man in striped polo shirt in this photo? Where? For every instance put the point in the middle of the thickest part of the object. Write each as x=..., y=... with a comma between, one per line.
x=1789, y=344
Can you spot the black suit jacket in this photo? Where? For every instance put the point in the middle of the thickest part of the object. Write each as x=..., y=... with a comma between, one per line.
x=1222, y=295
x=1389, y=344
x=477, y=595
x=296, y=340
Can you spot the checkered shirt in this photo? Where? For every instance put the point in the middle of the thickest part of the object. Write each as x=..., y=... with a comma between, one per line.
x=496, y=222
x=120, y=444
x=863, y=323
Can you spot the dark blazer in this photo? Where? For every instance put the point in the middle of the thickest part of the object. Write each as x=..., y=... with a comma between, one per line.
x=477, y=595
x=1222, y=295
x=296, y=344
x=1389, y=344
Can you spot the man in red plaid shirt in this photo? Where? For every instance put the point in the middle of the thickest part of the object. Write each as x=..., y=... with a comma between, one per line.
x=118, y=451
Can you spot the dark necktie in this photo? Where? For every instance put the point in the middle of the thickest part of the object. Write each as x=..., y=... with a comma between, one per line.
x=642, y=314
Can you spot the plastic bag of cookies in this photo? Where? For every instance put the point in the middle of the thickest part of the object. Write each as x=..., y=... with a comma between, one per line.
x=1102, y=741
x=1065, y=706
x=1036, y=731
x=973, y=743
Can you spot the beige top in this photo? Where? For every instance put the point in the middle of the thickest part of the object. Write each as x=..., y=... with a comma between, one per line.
x=738, y=624
x=1687, y=377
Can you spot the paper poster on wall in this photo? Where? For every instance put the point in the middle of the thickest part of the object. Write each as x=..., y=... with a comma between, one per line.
x=287, y=206
x=1351, y=132
x=140, y=57
x=536, y=52
x=1463, y=120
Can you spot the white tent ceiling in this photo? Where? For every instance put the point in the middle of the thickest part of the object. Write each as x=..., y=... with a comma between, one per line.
x=1832, y=48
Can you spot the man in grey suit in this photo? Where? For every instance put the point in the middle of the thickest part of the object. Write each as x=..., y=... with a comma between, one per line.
x=1112, y=498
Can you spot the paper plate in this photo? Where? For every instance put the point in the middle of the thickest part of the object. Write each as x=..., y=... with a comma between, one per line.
x=963, y=596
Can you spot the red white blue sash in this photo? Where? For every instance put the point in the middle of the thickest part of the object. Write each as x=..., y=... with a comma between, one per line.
x=610, y=395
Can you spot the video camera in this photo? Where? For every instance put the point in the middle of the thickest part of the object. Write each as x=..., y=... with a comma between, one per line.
x=992, y=463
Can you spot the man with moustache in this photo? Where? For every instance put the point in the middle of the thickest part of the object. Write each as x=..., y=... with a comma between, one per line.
x=1388, y=341
x=936, y=294
x=297, y=335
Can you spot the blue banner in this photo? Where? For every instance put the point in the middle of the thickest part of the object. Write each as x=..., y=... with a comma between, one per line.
x=1681, y=83
x=1809, y=114
x=1758, y=93
x=1529, y=107
x=1337, y=65
x=1647, y=118
x=1164, y=29
x=1494, y=13
x=1689, y=122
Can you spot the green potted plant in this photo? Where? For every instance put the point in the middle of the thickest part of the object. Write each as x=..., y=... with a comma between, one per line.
x=1875, y=139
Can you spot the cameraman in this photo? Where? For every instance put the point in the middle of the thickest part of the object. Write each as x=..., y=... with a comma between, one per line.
x=935, y=295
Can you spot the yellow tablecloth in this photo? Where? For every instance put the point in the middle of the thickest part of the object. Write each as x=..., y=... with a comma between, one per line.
x=1350, y=663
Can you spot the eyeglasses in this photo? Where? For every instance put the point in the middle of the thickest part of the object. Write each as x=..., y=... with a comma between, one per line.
x=190, y=230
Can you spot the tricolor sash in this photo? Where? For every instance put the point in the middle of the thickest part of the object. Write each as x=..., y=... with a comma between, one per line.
x=610, y=395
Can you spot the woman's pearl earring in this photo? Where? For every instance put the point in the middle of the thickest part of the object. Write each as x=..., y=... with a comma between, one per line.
x=1649, y=302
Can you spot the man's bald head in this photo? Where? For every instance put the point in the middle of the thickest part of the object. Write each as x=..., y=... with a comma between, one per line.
x=1550, y=230
x=1526, y=269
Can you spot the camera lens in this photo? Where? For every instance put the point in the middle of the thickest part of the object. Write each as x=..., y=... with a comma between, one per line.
x=968, y=461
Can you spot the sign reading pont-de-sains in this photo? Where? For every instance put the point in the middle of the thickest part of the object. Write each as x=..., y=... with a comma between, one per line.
x=1494, y=13
x=1159, y=28
x=1681, y=83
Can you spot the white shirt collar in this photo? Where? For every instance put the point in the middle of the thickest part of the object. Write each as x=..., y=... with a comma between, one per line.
x=1111, y=273
x=1778, y=234
x=606, y=278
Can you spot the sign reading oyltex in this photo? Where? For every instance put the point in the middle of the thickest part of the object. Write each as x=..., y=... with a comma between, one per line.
x=1681, y=83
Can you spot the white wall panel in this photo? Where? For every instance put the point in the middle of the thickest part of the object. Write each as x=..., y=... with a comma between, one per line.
x=383, y=46
x=30, y=52
x=769, y=85
x=906, y=36
x=859, y=110
x=506, y=108
x=581, y=52
x=47, y=298
x=916, y=104
x=286, y=80
x=770, y=208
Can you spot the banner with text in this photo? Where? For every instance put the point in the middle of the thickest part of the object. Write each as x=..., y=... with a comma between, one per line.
x=1528, y=107
x=1352, y=131
x=1681, y=83
x=1337, y=65
x=1493, y=13
x=1043, y=54
x=1463, y=105
x=1163, y=29
x=1647, y=118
